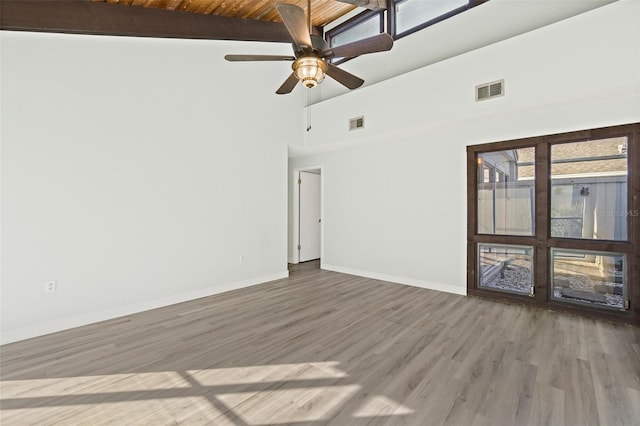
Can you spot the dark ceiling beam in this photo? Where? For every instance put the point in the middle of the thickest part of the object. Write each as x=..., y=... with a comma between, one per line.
x=88, y=17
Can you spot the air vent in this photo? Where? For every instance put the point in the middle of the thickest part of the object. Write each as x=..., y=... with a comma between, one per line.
x=489, y=90
x=356, y=123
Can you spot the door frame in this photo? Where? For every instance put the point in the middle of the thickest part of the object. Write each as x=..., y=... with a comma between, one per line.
x=295, y=208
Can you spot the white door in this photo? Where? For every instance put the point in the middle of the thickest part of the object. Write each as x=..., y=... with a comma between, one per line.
x=310, y=221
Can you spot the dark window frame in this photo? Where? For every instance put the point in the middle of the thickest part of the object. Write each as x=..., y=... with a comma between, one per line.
x=542, y=240
x=388, y=21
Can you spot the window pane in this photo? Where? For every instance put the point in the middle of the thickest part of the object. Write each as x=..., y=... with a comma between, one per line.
x=589, y=189
x=594, y=278
x=411, y=13
x=506, y=192
x=505, y=267
x=365, y=29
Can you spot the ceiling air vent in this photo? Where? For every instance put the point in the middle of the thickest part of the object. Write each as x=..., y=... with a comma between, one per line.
x=489, y=90
x=356, y=123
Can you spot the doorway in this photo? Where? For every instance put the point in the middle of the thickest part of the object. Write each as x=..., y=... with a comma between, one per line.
x=307, y=206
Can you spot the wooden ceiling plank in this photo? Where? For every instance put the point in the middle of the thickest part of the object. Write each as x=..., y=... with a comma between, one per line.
x=184, y=5
x=259, y=11
x=158, y=4
x=174, y=4
x=198, y=6
x=88, y=17
x=323, y=11
x=218, y=8
x=236, y=6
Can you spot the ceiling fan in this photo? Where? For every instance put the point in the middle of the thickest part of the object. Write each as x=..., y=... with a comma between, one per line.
x=312, y=53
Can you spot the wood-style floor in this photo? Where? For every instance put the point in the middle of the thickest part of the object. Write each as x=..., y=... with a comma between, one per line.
x=327, y=348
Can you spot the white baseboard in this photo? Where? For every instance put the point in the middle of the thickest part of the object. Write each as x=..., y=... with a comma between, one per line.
x=292, y=260
x=398, y=280
x=80, y=320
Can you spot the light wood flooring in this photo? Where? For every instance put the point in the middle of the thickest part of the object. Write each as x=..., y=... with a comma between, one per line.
x=328, y=348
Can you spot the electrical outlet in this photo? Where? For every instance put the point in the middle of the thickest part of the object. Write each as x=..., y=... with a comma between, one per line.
x=50, y=287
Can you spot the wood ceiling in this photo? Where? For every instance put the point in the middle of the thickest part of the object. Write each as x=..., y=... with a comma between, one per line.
x=322, y=11
x=247, y=20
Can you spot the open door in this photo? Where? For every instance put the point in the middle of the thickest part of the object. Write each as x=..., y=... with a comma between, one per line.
x=310, y=220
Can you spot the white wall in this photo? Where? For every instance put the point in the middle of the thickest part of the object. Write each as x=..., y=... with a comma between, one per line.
x=394, y=192
x=475, y=28
x=135, y=173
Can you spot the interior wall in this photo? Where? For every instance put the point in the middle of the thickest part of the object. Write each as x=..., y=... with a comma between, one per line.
x=395, y=191
x=137, y=173
x=481, y=26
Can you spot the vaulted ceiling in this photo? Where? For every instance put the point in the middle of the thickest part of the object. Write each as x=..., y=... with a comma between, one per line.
x=254, y=20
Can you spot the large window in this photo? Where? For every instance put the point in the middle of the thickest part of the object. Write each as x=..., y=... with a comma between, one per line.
x=589, y=189
x=403, y=17
x=505, y=268
x=505, y=195
x=555, y=221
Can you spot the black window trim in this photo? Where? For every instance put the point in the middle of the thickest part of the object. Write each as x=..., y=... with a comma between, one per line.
x=388, y=21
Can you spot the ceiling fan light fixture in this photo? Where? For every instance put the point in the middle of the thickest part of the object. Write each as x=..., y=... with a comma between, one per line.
x=310, y=70
x=312, y=52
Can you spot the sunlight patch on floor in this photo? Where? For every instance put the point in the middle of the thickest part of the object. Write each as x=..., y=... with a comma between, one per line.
x=379, y=405
x=147, y=412
x=252, y=395
x=267, y=373
x=289, y=405
x=81, y=385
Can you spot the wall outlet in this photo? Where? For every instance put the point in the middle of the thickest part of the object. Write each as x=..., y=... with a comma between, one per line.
x=50, y=287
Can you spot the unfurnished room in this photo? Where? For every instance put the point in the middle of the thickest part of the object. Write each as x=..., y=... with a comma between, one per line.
x=320, y=212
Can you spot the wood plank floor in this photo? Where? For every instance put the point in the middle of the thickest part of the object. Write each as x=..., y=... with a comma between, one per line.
x=324, y=348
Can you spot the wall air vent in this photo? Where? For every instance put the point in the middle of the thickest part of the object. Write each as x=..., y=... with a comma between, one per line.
x=489, y=90
x=356, y=123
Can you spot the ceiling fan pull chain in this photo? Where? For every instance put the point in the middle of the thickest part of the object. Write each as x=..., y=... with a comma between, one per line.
x=308, y=111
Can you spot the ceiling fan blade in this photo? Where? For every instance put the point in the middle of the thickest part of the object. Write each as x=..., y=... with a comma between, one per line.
x=288, y=85
x=341, y=76
x=369, y=4
x=238, y=58
x=294, y=19
x=377, y=43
